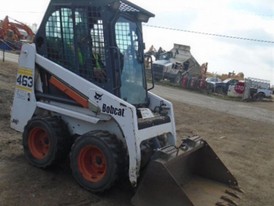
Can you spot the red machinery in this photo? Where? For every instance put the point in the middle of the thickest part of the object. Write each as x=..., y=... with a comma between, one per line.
x=14, y=33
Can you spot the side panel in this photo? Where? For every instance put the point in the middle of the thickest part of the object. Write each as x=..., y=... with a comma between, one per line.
x=24, y=102
x=80, y=127
x=156, y=101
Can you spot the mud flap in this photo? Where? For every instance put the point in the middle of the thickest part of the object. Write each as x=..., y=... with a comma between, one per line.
x=191, y=175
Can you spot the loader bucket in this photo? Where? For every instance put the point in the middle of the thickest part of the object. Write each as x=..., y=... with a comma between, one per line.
x=191, y=175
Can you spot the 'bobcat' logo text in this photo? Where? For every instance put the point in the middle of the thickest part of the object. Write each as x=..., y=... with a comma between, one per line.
x=113, y=110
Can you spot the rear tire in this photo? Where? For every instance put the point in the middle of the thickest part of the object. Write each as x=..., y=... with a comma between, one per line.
x=96, y=160
x=46, y=141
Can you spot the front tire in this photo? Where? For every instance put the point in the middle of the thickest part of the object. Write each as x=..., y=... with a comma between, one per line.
x=95, y=160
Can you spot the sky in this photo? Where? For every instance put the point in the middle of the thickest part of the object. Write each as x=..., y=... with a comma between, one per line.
x=252, y=19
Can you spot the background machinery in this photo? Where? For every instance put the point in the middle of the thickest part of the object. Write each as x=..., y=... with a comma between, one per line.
x=81, y=91
x=14, y=33
x=256, y=89
x=174, y=64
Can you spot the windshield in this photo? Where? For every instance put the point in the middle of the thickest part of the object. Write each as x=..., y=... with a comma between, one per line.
x=129, y=42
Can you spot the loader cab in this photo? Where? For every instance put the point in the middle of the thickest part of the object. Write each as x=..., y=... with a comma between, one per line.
x=100, y=40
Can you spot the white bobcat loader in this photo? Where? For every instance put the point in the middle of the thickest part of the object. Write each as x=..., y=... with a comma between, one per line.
x=81, y=91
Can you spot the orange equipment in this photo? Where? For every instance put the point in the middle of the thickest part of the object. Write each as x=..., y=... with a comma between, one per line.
x=15, y=32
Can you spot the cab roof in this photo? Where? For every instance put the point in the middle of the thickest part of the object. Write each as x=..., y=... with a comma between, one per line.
x=123, y=5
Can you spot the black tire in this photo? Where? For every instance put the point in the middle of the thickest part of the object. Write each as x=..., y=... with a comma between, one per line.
x=260, y=96
x=219, y=90
x=46, y=141
x=96, y=160
x=209, y=88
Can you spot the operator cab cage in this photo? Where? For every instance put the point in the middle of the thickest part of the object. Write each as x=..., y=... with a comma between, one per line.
x=100, y=40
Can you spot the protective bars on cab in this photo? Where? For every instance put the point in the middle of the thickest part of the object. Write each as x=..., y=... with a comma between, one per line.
x=75, y=40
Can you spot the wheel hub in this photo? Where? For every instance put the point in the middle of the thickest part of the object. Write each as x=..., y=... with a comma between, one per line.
x=92, y=163
x=38, y=142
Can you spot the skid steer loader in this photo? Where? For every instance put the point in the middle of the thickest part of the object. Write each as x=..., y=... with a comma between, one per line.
x=81, y=91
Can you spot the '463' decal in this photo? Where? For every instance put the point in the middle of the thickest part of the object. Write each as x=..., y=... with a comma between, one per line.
x=24, y=80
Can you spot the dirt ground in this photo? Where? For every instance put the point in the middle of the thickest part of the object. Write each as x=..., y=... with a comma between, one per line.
x=244, y=145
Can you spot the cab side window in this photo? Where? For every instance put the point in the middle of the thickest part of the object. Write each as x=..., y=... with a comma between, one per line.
x=75, y=40
x=59, y=38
